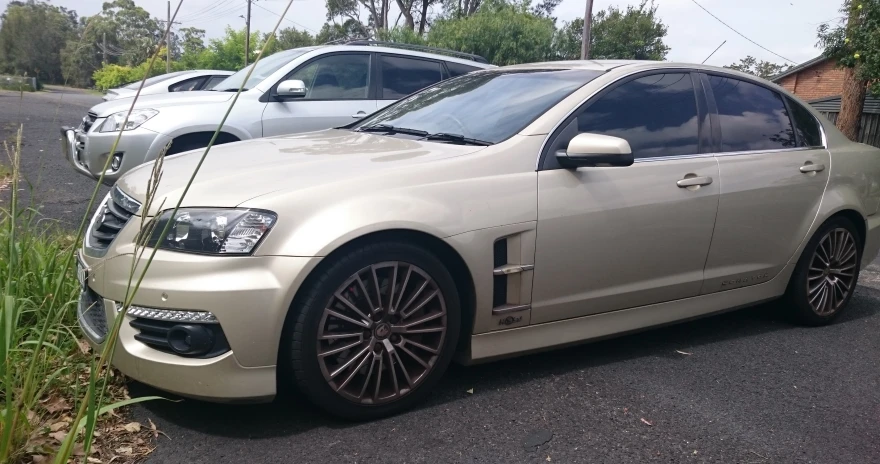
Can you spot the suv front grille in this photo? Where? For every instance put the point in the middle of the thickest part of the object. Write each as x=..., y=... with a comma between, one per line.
x=110, y=218
x=88, y=121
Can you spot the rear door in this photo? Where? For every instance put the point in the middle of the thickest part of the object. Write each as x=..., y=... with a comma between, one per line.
x=774, y=169
x=338, y=89
x=400, y=76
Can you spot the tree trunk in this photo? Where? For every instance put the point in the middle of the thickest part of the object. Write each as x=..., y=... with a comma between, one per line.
x=424, y=19
x=852, y=100
x=406, y=11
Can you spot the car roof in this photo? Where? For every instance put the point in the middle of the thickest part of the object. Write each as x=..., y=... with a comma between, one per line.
x=404, y=51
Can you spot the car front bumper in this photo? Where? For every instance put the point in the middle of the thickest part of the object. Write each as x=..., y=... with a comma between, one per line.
x=88, y=151
x=249, y=296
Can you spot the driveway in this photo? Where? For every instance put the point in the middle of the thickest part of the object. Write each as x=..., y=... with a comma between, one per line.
x=745, y=387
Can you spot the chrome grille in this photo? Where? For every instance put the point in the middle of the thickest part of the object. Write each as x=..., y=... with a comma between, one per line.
x=113, y=214
x=91, y=315
x=88, y=121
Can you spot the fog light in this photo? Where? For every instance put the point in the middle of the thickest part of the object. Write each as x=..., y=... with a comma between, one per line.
x=190, y=340
x=116, y=162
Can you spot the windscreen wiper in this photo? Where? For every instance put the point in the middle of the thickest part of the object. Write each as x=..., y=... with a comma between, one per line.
x=387, y=128
x=456, y=138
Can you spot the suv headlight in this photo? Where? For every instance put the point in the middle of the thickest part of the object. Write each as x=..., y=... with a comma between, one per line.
x=212, y=231
x=137, y=117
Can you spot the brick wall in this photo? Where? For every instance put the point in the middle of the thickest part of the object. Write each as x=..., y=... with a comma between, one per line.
x=821, y=80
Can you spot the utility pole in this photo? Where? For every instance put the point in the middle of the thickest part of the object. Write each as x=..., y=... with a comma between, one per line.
x=104, y=49
x=168, y=42
x=247, y=35
x=588, y=19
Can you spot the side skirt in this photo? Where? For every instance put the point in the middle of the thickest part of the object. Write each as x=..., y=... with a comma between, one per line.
x=513, y=342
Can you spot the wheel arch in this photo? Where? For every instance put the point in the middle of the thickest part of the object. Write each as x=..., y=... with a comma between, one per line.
x=202, y=136
x=446, y=253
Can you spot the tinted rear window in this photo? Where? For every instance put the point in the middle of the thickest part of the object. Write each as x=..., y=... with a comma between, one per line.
x=808, y=130
x=752, y=117
x=458, y=69
x=403, y=76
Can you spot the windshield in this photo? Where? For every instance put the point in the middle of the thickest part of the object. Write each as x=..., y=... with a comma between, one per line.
x=155, y=80
x=265, y=68
x=488, y=106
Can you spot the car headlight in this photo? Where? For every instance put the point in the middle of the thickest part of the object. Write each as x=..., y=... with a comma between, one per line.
x=213, y=231
x=137, y=117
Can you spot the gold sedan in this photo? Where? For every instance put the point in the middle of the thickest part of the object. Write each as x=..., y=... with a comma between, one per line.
x=502, y=212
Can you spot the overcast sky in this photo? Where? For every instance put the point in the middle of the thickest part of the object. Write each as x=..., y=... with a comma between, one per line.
x=786, y=27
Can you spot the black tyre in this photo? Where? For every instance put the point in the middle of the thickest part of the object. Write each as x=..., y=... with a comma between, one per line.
x=826, y=274
x=375, y=330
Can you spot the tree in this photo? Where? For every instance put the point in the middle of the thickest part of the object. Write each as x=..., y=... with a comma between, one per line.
x=762, y=69
x=32, y=35
x=290, y=37
x=504, y=33
x=634, y=34
x=130, y=29
x=192, y=46
x=855, y=47
x=228, y=52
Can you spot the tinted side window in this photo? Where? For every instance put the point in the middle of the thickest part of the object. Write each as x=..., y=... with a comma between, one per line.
x=656, y=114
x=752, y=117
x=458, y=69
x=187, y=85
x=807, y=127
x=214, y=81
x=336, y=77
x=403, y=76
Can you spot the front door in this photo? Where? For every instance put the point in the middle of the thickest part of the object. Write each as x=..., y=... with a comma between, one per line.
x=337, y=93
x=611, y=238
x=774, y=170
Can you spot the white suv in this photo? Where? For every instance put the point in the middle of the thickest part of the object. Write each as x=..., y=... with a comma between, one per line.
x=297, y=90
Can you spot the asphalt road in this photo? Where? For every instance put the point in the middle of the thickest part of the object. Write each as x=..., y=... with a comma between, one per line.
x=745, y=387
x=48, y=181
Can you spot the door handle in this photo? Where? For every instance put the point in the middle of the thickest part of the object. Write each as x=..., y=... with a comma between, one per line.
x=359, y=114
x=810, y=167
x=694, y=181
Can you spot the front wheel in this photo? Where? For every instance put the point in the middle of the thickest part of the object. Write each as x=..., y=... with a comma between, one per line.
x=375, y=331
x=827, y=273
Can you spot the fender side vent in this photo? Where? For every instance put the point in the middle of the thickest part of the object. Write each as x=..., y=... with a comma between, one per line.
x=499, y=287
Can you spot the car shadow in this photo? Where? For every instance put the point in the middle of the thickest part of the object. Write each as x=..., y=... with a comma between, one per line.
x=289, y=415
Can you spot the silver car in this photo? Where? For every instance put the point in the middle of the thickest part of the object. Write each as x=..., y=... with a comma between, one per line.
x=298, y=90
x=179, y=81
x=499, y=213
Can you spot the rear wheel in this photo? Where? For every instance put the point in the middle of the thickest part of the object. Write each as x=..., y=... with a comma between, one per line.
x=375, y=331
x=827, y=273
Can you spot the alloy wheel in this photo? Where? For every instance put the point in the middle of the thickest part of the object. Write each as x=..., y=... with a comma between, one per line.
x=831, y=276
x=381, y=332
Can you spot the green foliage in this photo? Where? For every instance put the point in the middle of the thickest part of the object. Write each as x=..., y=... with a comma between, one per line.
x=113, y=75
x=228, y=52
x=856, y=44
x=634, y=34
x=191, y=44
x=504, y=33
x=289, y=38
x=32, y=34
x=762, y=69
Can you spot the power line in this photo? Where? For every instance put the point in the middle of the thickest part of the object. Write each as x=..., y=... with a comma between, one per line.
x=197, y=13
x=741, y=34
x=285, y=18
x=214, y=15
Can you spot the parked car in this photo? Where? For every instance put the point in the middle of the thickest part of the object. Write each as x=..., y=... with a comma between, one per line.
x=180, y=81
x=298, y=90
x=502, y=212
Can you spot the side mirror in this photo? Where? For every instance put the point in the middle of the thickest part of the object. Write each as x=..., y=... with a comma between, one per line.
x=586, y=150
x=291, y=89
